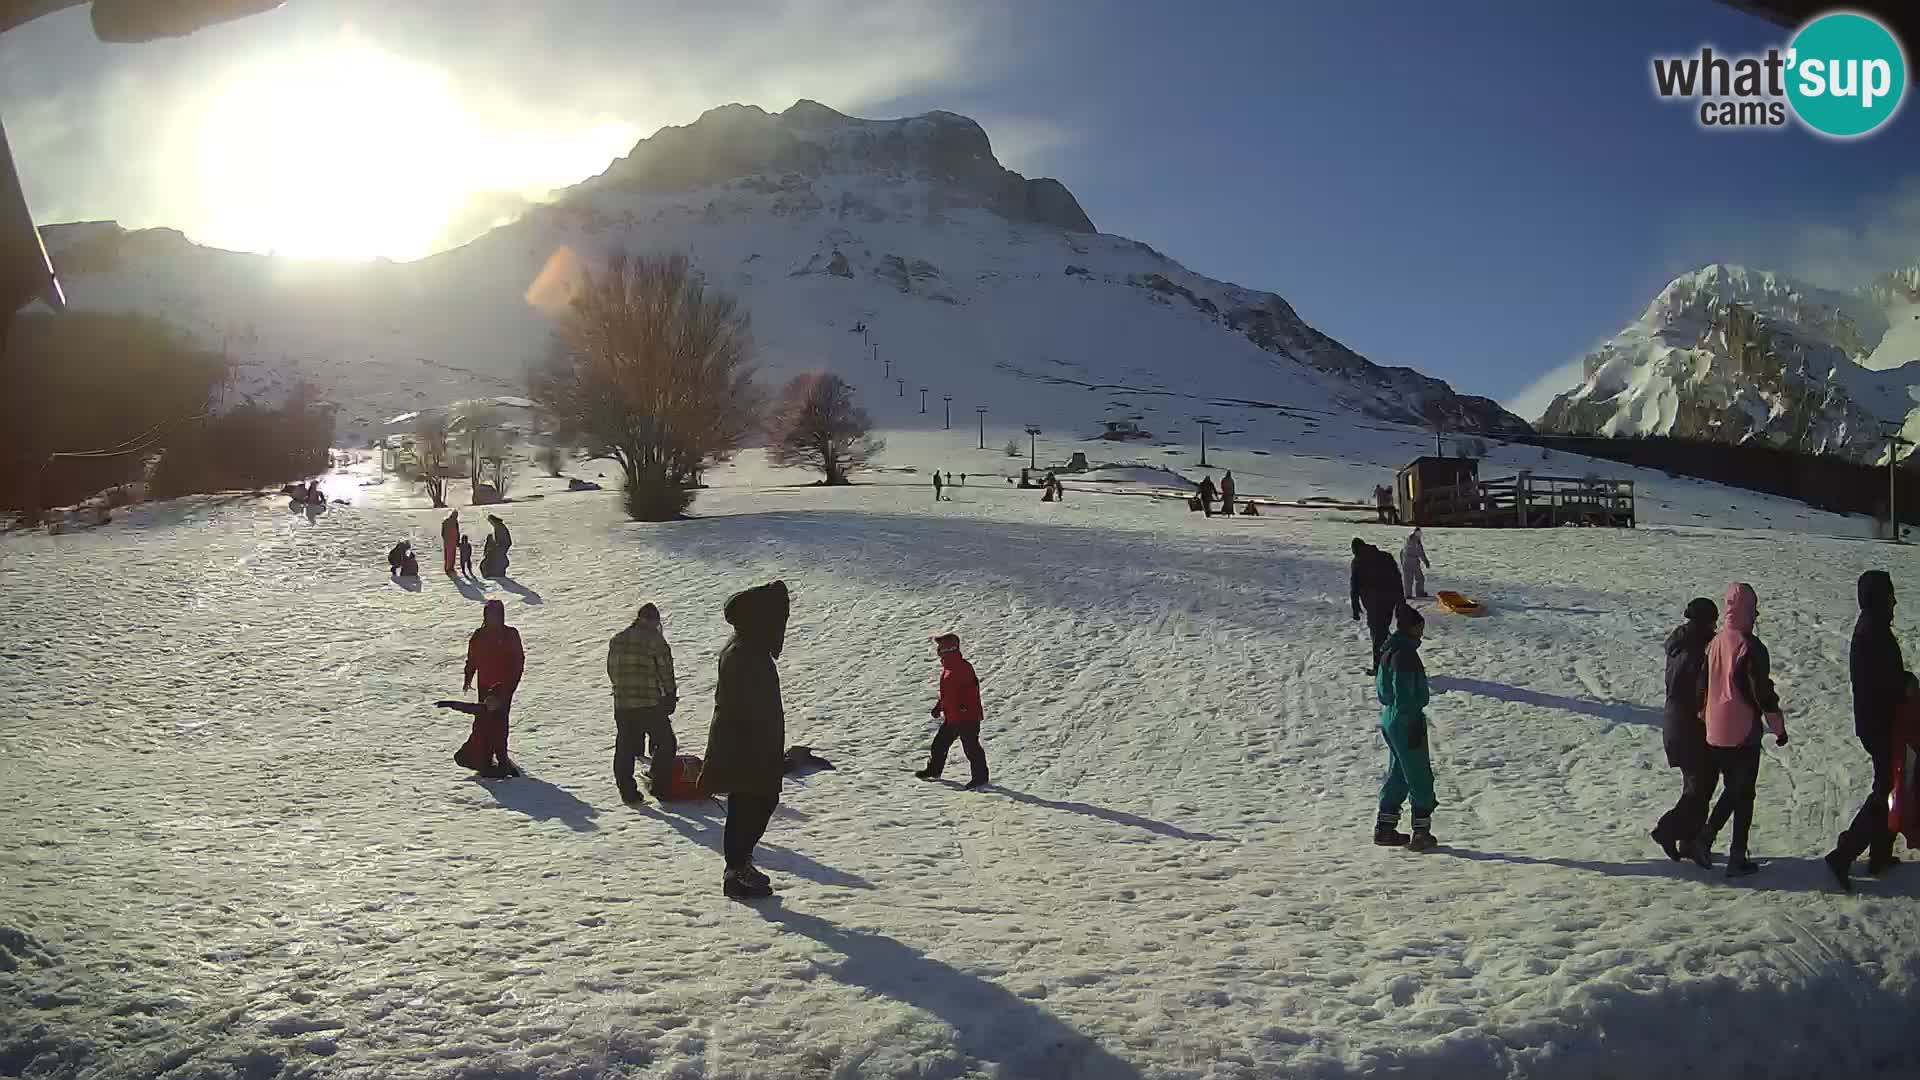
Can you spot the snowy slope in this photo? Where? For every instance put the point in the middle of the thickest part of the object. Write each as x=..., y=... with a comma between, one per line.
x=973, y=281
x=1734, y=354
x=236, y=845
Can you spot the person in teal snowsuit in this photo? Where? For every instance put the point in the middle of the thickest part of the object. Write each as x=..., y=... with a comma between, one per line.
x=1401, y=686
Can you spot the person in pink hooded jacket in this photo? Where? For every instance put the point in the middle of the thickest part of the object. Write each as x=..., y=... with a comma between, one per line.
x=1740, y=695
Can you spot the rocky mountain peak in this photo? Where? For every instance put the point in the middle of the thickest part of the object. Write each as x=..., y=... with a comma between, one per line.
x=943, y=149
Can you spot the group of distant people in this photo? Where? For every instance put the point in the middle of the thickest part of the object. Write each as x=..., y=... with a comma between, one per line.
x=1206, y=493
x=941, y=488
x=402, y=562
x=1720, y=701
x=746, y=756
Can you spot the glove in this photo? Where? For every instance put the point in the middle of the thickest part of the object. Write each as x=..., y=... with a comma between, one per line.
x=1780, y=739
x=1356, y=616
x=673, y=702
x=934, y=712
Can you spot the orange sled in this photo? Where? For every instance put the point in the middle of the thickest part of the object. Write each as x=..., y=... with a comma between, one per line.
x=1459, y=604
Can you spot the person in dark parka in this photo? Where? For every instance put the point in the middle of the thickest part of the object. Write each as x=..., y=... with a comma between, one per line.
x=746, y=744
x=1226, y=493
x=1879, y=681
x=1206, y=495
x=1686, y=731
x=1376, y=587
x=503, y=543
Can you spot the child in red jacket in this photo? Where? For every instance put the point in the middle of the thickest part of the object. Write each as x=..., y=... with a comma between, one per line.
x=959, y=713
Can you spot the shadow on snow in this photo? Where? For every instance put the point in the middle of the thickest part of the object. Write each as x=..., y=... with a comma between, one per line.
x=541, y=800
x=704, y=823
x=1619, y=712
x=987, y=1019
x=1118, y=817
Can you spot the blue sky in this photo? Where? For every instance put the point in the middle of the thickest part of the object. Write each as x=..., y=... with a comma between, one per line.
x=1478, y=190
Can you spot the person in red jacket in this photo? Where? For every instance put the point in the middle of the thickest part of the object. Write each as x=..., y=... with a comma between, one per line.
x=959, y=713
x=496, y=659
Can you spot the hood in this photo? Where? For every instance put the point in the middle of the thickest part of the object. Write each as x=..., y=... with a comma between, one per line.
x=759, y=615
x=1359, y=545
x=1743, y=607
x=1875, y=590
x=1701, y=610
x=494, y=614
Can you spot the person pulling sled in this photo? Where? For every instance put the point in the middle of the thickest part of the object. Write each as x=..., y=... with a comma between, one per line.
x=959, y=713
x=497, y=660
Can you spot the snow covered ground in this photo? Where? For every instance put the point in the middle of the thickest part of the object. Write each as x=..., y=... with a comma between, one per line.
x=236, y=844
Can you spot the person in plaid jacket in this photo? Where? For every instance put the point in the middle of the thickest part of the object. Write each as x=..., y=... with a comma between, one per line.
x=640, y=666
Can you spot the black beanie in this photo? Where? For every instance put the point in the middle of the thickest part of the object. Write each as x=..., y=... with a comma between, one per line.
x=1406, y=617
x=1701, y=609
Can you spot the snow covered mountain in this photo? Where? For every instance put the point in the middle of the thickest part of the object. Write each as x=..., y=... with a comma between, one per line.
x=1733, y=354
x=972, y=280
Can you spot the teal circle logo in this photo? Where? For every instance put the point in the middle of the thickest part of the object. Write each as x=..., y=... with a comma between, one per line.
x=1846, y=74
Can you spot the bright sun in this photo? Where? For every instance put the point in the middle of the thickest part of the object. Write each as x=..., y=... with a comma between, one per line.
x=349, y=151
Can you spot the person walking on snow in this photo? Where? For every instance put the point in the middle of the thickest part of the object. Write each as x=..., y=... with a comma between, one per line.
x=1375, y=585
x=936, y=485
x=496, y=659
x=1685, y=731
x=640, y=667
x=1226, y=494
x=503, y=543
x=450, y=538
x=959, y=713
x=1413, y=558
x=1206, y=495
x=1401, y=686
x=1878, y=673
x=1739, y=695
x=745, y=744
x=466, y=555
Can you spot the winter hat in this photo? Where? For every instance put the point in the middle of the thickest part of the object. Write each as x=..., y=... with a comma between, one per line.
x=1743, y=607
x=1875, y=590
x=494, y=613
x=1406, y=617
x=947, y=643
x=1702, y=610
x=1359, y=545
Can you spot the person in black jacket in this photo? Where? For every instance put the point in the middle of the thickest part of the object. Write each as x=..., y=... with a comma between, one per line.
x=1376, y=587
x=1206, y=494
x=745, y=758
x=1879, y=680
x=1686, y=732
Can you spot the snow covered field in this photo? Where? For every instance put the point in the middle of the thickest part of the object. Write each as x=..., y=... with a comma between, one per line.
x=236, y=844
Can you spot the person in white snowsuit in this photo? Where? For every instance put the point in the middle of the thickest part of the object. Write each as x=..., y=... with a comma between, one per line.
x=1413, y=557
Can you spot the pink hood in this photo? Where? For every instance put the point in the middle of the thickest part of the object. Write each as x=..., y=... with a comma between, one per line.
x=1730, y=716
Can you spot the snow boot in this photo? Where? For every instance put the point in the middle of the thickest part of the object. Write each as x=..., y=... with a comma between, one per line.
x=737, y=887
x=1701, y=851
x=1841, y=870
x=977, y=782
x=1881, y=864
x=1739, y=866
x=927, y=774
x=1667, y=845
x=1422, y=840
x=633, y=797
x=751, y=875
x=1388, y=836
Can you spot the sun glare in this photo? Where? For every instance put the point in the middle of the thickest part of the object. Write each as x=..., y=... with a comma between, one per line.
x=348, y=151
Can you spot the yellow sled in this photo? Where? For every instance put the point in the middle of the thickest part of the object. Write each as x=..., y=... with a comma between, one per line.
x=1459, y=604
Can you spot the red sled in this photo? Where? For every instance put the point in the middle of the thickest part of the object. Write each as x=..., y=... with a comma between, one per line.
x=684, y=783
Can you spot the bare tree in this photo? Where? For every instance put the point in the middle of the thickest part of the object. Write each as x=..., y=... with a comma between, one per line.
x=817, y=426
x=651, y=369
x=430, y=454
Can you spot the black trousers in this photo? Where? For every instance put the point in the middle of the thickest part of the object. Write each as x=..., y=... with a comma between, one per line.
x=747, y=817
x=633, y=727
x=1379, y=618
x=969, y=743
x=1869, y=834
x=1739, y=766
x=1688, y=816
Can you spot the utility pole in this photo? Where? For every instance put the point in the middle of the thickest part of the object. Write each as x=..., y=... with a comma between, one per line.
x=1033, y=446
x=947, y=424
x=1204, y=422
x=1438, y=427
x=923, y=401
x=982, y=410
x=1894, y=443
